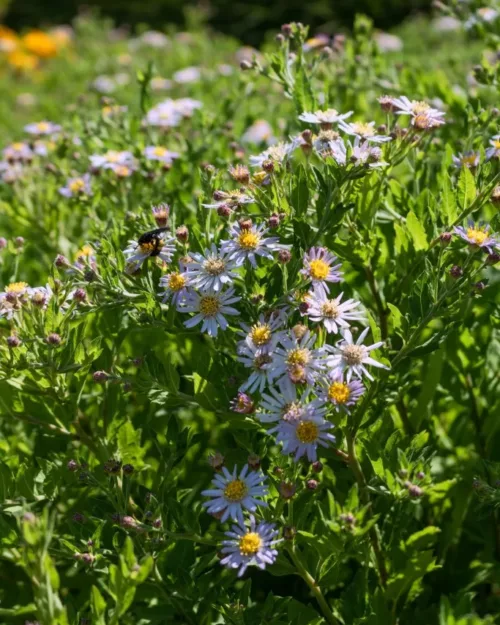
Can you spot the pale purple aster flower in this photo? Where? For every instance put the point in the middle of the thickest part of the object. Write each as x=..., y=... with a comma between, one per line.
x=187, y=75
x=13, y=297
x=302, y=437
x=283, y=404
x=341, y=394
x=111, y=159
x=470, y=159
x=478, y=236
x=136, y=254
x=18, y=151
x=104, y=84
x=405, y=106
x=176, y=286
x=252, y=546
x=494, y=150
x=262, y=363
x=319, y=267
x=325, y=118
x=276, y=154
x=160, y=84
x=211, y=270
x=210, y=308
x=186, y=106
x=160, y=153
x=297, y=362
x=154, y=39
x=364, y=130
x=10, y=172
x=231, y=493
x=333, y=313
x=40, y=296
x=42, y=128
x=163, y=115
x=77, y=186
x=350, y=357
x=365, y=154
x=259, y=132
x=248, y=243
x=263, y=334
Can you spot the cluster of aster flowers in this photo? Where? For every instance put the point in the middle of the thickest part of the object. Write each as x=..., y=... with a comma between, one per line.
x=170, y=113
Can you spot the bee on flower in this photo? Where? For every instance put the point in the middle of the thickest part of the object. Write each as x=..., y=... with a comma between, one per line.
x=350, y=357
x=334, y=314
x=470, y=159
x=233, y=492
x=112, y=159
x=477, y=236
x=250, y=546
x=210, y=309
x=364, y=131
x=42, y=128
x=248, y=243
x=297, y=362
x=176, y=287
x=151, y=244
x=325, y=119
x=320, y=268
x=18, y=151
x=339, y=393
x=77, y=186
x=212, y=270
x=160, y=153
x=303, y=436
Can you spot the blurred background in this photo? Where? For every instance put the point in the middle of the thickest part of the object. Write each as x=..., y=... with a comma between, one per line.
x=248, y=20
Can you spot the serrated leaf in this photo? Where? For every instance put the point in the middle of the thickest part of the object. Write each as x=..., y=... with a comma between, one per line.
x=417, y=232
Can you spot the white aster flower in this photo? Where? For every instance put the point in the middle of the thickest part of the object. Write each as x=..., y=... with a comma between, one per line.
x=325, y=118
x=111, y=159
x=319, y=267
x=302, y=437
x=176, y=287
x=333, y=313
x=42, y=128
x=363, y=130
x=494, y=150
x=18, y=151
x=78, y=186
x=259, y=132
x=262, y=362
x=283, y=404
x=350, y=358
x=297, y=362
x=405, y=106
x=231, y=493
x=211, y=270
x=210, y=308
x=232, y=199
x=276, y=154
x=187, y=75
x=248, y=243
x=160, y=153
x=40, y=296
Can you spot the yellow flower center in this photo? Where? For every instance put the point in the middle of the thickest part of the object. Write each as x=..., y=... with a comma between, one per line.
x=214, y=266
x=496, y=144
x=476, y=235
x=260, y=334
x=339, y=392
x=250, y=543
x=176, y=281
x=16, y=287
x=298, y=356
x=159, y=151
x=363, y=129
x=85, y=251
x=112, y=157
x=42, y=126
x=209, y=306
x=353, y=354
x=469, y=160
x=236, y=490
x=419, y=107
x=248, y=240
x=319, y=269
x=17, y=146
x=75, y=186
x=122, y=171
x=307, y=432
x=330, y=310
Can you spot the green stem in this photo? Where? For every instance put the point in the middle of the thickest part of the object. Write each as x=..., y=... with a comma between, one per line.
x=313, y=585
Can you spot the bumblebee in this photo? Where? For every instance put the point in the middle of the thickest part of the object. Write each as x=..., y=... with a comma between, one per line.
x=152, y=241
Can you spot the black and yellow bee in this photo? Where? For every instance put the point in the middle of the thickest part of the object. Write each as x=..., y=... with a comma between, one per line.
x=152, y=240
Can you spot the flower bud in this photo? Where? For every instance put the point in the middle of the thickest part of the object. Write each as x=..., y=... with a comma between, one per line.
x=278, y=471
x=303, y=307
x=268, y=166
x=182, y=234
x=216, y=461
x=245, y=224
x=87, y=558
x=79, y=295
x=286, y=30
x=284, y=256
x=279, y=38
x=53, y=339
x=61, y=261
x=3, y=243
x=456, y=272
x=224, y=210
x=289, y=532
x=19, y=242
x=445, y=238
x=317, y=466
x=13, y=341
x=161, y=214
x=128, y=469
x=415, y=491
x=112, y=466
x=240, y=173
x=100, y=376
x=386, y=103
x=157, y=524
x=72, y=465
x=307, y=135
x=312, y=484
x=420, y=475
x=286, y=489
x=274, y=221
x=492, y=259
x=479, y=286
x=78, y=517
x=253, y=461
x=243, y=404
x=128, y=522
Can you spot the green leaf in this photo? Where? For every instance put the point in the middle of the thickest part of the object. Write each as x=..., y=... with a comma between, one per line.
x=417, y=232
x=98, y=606
x=466, y=188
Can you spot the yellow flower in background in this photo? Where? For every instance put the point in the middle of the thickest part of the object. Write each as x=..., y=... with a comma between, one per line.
x=40, y=44
x=22, y=60
x=8, y=39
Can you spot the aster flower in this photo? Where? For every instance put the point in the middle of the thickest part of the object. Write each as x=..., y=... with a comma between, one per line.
x=13, y=297
x=297, y=362
x=186, y=106
x=364, y=130
x=10, y=172
x=252, y=546
x=113, y=110
x=175, y=286
x=111, y=159
x=333, y=313
x=339, y=393
x=263, y=334
x=319, y=267
x=478, y=236
x=161, y=214
x=365, y=154
x=42, y=128
x=248, y=243
x=259, y=132
x=423, y=114
x=324, y=118
x=276, y=154
x=211, y=270
x=136, y=254
x=80, y=185
x=494, y=150
x=210, y=308
x=18, y=151
x=283, y=404
x=104, y=84
x=123, y=171
x=187, y=75
x=40, y=296
x=321, y=142
x=231, y=199
x=163, y=116
x=470, y=159
x=302, y=437
x=159, y=153
x=351, y=357
x=231, y=493
x=160, y=84
x=262, y=363
x=85, y=257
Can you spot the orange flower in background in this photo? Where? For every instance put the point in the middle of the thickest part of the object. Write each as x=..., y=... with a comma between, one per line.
x=8, y=39
x=40, y=44
x=22, y=60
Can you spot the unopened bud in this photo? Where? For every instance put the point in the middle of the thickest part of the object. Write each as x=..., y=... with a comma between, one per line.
x=216, y=461
x=317, y=466
x=245, y=65
x=19, y=242
x=286, y=29
x=61, y=261
x=274, y=221
x=100, y=376
x=3, y=243
x=253, y=461
x=312, y=484
x=182, y=234
x=53, y=339
x=128, y=469
x=245, y=224
x=13, y=341
x=224, y=210
x=299, y=330
x=307, y=135
x=79, y=295
x=289, y=532
x=415, y=491
x=456, y=272
x=492, y=259
x=284, y=256
x=268, y=166
x=72, y=465
x=445, y=238
x=286, y=489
